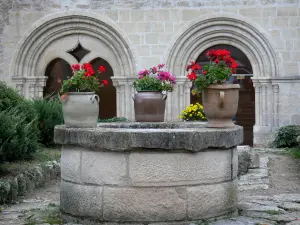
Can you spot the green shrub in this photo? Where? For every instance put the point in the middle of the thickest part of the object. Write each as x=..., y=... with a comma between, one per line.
x=286, y=137
x=10, y=98
x=49, y=111
x=18, y=138
x=19, y=132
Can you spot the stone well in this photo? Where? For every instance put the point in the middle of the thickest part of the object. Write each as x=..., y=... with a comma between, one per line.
x=147, y=173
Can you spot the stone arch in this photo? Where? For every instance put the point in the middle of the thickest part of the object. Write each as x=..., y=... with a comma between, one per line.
x=27, y=74
x=238, y=31
x=242, y=33
x=58, y=25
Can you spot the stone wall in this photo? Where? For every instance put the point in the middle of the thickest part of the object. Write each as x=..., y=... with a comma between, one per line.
x=151, y=29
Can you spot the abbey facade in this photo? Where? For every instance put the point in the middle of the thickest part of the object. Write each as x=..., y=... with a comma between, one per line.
x=130, y=35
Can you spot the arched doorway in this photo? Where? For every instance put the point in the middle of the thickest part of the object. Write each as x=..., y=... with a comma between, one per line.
x=245, y=116
x=107, y=94
x=57, y=69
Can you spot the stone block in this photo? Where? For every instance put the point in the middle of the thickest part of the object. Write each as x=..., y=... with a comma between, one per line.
x=270, y=11
x=129, y=27
x=143, y=27
x=79, y=200
x=124, y=15
x=287, y=11
x=254, y=161
x=144, y=204
x=165, y=169
x=135, y=38
x=70, y=163
x=158, y=50
x=244, y=159
x=143, y=50
x=157, y=27
x=251, y=12
x=151, y=38
x=190, y=14
x=211, y=200
x=164, y=15
x=281, y=22
x=137, y=15
x=103, y=168
x=235, y=163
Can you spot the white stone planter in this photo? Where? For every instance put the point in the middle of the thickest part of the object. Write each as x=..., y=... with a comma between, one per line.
x=81, y=109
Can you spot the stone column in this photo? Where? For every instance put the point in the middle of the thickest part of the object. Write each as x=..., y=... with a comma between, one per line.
x=180, y=99
x=20, y=84
x=275, y=105
x=124, y=94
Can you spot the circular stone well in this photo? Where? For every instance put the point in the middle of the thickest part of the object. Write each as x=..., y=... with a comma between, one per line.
x=147, y=173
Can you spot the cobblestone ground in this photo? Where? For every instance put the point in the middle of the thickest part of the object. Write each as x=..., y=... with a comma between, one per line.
x=268, y=195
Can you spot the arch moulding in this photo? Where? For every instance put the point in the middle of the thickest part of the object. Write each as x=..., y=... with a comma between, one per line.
x=206, y=31
x=24, y=68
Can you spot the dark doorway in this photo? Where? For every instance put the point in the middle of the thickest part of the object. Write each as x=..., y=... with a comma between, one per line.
x=245, y=116
x=57, y=69
x=107, y=94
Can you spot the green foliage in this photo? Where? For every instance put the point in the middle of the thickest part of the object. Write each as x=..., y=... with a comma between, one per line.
x=287, y=136
x=216, y=74
x=49, y=112
x=80, y=83
x=18, y=124
x=148, y=83
x=10, y=98
x=18, y=138
x=113, y=120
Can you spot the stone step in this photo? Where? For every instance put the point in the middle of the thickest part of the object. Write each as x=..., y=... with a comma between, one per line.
x=254, y=181
x=253, y=187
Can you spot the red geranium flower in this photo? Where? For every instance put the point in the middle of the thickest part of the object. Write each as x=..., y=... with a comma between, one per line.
x=196, y=67
x=85, y=66
x=87, y=74
x=75, y=67
x=192, y=76
x=105, y=82
x=204, y=72
x=101, y=69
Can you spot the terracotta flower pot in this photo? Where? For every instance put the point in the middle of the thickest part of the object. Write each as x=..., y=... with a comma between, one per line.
x=220, y=104
x=149, y=106
x=80, y=109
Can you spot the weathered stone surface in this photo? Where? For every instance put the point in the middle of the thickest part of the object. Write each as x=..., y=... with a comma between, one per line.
x=70, y=163
x=130, y=136
x=244, y=159
x=144, y=204
x=80, y=200
x=165, y=169
x=103, y=168
x=202, y=200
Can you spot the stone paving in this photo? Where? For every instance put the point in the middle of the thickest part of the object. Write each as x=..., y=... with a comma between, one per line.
x=261, y=201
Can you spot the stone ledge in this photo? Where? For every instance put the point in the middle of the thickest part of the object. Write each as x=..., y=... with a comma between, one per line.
x=37, y=176
x=176, y=136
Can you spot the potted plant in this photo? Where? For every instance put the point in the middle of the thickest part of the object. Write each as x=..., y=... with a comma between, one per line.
x=193, y=112
x=150, y=102
x=220, y=99
x=80, y=104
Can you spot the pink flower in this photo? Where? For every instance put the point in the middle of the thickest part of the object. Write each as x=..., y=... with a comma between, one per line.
x=154, y=69
x=144, y=72
x=160, y=66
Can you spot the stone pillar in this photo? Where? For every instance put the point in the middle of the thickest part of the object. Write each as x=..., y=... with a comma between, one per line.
x=124, y=93
x=19, y=84
x=180, y=97
x=275, y=106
